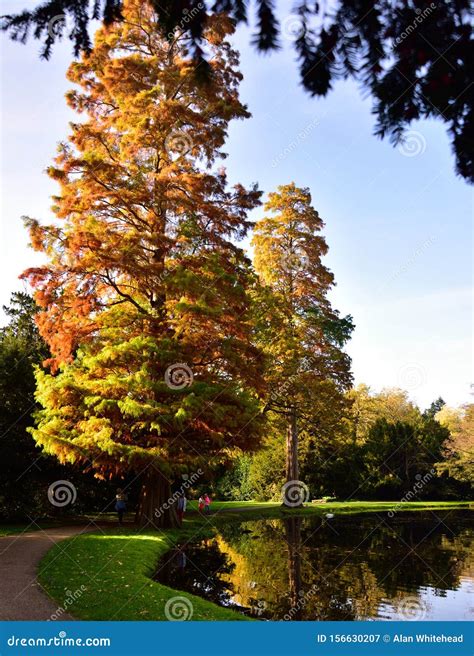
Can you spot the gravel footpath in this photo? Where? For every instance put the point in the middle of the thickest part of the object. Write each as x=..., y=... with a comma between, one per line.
x=21, y=596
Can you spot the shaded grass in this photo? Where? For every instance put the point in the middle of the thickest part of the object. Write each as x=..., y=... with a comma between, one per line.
x=115, y=566
x=14, y=529
x=109, y=576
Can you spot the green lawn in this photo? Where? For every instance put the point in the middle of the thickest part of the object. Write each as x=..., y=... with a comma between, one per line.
x=225, y=505
x=258, y=509
x=115, y=567
x=112, y=573
x=14, y=529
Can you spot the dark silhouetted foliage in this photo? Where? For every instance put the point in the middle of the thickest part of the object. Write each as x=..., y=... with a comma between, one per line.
x=411, y=56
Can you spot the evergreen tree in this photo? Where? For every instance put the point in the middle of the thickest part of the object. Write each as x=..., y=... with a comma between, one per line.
x=144, y=298
x=25, y=472
x=434, y=408
x=302, y=334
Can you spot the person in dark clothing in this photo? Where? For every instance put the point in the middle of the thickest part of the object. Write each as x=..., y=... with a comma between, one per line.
x=120, y=504
x=181, y=506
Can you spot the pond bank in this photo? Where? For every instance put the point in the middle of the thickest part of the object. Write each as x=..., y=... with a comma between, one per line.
x=115, y=566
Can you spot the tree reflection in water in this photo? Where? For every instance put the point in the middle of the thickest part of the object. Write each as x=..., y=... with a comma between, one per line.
x=347, y=568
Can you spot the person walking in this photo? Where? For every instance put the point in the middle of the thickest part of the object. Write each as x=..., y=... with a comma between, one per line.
x=207, y=504
x=201, y=504
x=120, y=504
x=181, y=507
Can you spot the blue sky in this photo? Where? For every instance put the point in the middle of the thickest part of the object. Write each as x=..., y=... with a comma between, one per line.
x=398, y=220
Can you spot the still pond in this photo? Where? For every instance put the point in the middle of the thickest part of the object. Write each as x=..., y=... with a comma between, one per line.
x=413, y=566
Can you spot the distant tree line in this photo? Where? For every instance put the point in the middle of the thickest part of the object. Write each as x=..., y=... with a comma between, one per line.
x=382, y=446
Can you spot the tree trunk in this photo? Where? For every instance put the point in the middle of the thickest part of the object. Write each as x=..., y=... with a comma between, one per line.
x=293, y=539
x=157, y=509
x=292, y=467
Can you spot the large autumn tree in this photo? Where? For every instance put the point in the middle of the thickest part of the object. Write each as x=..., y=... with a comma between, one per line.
x=144, y=295
x=302, y=333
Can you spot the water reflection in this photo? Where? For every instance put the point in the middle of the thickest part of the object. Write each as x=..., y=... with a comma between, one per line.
x=414, y=566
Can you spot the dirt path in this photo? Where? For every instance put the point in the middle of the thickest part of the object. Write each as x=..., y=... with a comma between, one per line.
x=21, y=597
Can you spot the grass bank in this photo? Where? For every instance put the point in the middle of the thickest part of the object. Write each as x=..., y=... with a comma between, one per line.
x=108, y=576
x=108, y=573
x=15, y=529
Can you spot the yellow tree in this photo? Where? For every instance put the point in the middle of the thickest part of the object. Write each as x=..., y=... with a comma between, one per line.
x=144, y=298
x=459, y=460
x=300, y=331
